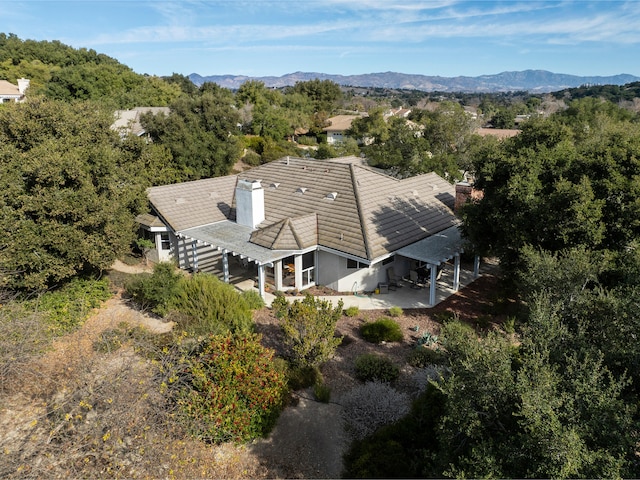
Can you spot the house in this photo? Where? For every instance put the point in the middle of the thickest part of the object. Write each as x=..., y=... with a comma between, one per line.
x=301, y=222
x=338, y=125
x=13, y=93
x=128, y=121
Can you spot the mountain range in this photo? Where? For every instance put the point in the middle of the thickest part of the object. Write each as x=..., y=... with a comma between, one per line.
x=535, y=81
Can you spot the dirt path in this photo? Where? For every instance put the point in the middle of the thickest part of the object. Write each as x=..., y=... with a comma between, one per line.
x=307, y=442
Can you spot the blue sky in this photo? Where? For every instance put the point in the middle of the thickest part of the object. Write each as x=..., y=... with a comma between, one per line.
x=264, y=37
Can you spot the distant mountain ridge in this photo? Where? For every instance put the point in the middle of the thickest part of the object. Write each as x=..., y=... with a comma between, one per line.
x=535, y=81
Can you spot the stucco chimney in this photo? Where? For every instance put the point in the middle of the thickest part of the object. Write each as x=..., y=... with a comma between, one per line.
x=23, y=84
x=249, y=203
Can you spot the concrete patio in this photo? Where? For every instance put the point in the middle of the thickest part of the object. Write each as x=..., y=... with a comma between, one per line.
x=407, y=296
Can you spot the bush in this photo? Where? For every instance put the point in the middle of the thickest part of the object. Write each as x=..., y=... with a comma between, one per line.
x=421, y=357
x=67, y=308
x=367, y=407
x=253, y=299
x=370, y=367
x=155, y=290
x=232, y=391
x=395, y=311
x=309, y=329
x=352, y=311
x=209, y=306
x=383, y=330
x=322, y=392
x=303, y=377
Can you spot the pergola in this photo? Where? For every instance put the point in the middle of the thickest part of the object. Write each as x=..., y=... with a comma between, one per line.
x=229, y=237
x=437, y=249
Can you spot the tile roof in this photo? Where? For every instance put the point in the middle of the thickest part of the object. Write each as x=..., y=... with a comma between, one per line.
x=346, y=207
x=9, y=89
x=340, y=123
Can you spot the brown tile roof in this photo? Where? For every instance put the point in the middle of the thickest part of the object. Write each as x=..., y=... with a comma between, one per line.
x=500, y=133
x=340, y=123
x=346, y=207
x=192, y=204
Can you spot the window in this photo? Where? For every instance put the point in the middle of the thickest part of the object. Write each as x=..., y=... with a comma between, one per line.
x=165, y=241
x=389, y=260
x=353, y=264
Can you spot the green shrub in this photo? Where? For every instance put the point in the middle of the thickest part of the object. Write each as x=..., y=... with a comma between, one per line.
x=309, y=329
x=352, y=311
x=253, y=299
x=67, y=308
x=322, y=392
x=303, y=377
x=396, y=311
x=155, y=290
x=382, y=330
x=370, y=367
x=420, y=357
x=207, y=305
x=231, y=390
x=509, y=325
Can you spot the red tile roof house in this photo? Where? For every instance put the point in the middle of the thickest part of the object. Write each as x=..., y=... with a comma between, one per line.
x=304, y=222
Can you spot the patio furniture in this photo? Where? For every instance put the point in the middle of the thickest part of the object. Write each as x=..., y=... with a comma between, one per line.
x=393, y=279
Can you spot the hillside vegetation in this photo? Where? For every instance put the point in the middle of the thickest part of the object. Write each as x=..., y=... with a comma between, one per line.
x=552, y=391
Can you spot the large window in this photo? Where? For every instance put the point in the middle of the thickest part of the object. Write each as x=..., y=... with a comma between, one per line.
x=308, y=268
x=354, y=264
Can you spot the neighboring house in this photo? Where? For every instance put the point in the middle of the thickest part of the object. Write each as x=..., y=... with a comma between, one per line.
x=499, y=133
x=128, y=121
x=303, y=222
x=13, y=93
x=338, y=125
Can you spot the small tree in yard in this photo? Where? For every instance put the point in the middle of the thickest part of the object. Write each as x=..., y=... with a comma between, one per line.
x=309, y=328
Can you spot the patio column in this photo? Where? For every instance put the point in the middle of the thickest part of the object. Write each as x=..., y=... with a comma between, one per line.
x=225, y=265
x=456, y=272
x=194, y=252
x=298, y=271
x=261, y=280
x=476, y=266
x=432, y=284
x=277, y=275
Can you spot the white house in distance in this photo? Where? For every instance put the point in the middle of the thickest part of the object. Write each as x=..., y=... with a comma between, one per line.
x=338, y=125
x=128, y=121
x=302, y=222
x=13, y=93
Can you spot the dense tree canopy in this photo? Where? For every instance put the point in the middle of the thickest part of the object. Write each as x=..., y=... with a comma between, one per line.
x=69, y=191
x=201, y=133
x=556, y=186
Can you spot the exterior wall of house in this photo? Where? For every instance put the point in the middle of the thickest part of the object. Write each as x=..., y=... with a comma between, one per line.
x=335, y=137
x=333, y=272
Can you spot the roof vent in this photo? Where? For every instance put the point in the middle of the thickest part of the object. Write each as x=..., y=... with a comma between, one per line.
x=274, y=185
x=301, y=190
x=415, y=193
x=331, y=195
x=180, y=200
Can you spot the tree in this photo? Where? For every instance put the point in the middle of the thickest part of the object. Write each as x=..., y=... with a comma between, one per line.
x=309, y=328
x=68, y=192
x=201, y=134
x=324, y=94
x=554, y=188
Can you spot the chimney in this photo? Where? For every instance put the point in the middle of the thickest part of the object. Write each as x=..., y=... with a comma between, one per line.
x=23, y=84
x=249, y=203
x=463, y=195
